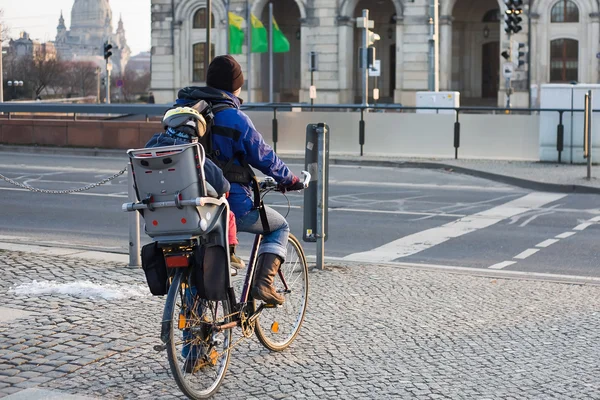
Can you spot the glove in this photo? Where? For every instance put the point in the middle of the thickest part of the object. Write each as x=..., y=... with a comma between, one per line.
x=294, y=186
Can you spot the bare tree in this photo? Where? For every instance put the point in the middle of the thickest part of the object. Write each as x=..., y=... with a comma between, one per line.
x=4, y=29
x=76, y=79
x=135, y=85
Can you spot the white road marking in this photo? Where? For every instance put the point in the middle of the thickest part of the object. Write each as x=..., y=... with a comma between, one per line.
x=595, y=219
x=526, y=253
x=57, y=169
x=547, y=243
x=565, y=235
x=476, y=271
x=426, y=239
x=422, y=186
x=502, y=265
x=581, y=227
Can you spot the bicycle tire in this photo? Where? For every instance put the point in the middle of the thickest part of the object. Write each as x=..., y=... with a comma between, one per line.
x=182, y=377
x=294, y=266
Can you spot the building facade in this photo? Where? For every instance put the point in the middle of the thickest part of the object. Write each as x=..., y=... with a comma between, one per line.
x=564, y=46
x=24, y=46
x=91, y=26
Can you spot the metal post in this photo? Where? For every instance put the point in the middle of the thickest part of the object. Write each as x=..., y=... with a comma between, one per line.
x=208, y=28
x=434, y=46
x=1, y=73
x=134, y=224
x=249, y=45
x=588, y=133
x=529, y=51
x=436, y=53
x=312, y=83
x=108, y=68
x=270, y=52
x=98, y=78
x=365, y=67
x=228, y=50
x=321, y=188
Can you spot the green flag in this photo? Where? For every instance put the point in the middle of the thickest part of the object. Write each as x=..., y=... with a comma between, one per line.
x=236, y=34
x=259, y=36
x=280, y=42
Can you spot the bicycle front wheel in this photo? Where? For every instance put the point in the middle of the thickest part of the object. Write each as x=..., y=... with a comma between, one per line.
x=276, y=328
x=198, y=357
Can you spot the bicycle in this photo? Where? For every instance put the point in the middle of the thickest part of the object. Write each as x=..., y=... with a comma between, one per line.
x=196, y=332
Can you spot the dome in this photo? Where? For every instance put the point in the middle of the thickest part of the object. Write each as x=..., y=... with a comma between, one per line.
x=90, y=14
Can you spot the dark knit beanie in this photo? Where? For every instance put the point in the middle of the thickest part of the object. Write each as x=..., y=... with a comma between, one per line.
x=225, y=73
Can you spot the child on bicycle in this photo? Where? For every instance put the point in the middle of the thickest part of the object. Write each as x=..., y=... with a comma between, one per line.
x=185, y=125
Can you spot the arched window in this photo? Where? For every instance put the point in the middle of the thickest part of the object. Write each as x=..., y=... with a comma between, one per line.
x=200, y=19
x=492, y=16
x=199, y=66
x=564, y=11
x=564, y=60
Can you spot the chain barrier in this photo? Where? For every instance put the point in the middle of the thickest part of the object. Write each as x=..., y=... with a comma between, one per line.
x=81, y=189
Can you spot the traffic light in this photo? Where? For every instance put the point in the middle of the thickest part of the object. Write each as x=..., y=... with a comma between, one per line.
x=516, y=55
x=107, y=52
x=372, y=37
x=512, y=16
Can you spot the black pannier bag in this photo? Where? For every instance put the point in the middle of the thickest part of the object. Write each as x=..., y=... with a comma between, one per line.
x=211, y=272
x=155, y=268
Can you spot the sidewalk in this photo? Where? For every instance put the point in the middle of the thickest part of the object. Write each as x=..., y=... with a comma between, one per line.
x=85, y=330
x=532, y=175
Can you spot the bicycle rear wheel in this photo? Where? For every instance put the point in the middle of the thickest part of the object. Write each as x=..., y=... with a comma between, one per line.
x=198, y=357
x=276, y=328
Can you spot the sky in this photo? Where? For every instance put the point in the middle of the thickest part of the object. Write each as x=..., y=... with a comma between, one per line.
x=39, y=18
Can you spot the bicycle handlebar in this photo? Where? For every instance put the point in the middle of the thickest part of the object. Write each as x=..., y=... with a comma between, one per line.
x=270, y=183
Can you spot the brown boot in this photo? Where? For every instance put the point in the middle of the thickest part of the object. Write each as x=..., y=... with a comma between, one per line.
x=267, y=266
x=235, y=261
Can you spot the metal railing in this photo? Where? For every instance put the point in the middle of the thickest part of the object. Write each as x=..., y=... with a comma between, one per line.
x=113, y=111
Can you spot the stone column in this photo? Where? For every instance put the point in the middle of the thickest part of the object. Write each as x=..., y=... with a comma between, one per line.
x=445, y=52
x=399, y=58
x=594, y=43
x=178, y=52
x=345, y=58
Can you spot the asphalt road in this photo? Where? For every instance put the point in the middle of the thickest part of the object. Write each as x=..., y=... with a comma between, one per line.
x=381, y=215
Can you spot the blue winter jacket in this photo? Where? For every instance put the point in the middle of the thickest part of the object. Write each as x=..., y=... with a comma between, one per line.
x=234, y=132
x=212, y=173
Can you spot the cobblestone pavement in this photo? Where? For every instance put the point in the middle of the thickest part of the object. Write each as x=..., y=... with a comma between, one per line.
x=370, y=332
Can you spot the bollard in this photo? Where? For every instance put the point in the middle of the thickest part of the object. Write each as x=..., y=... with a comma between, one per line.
x=560, y=136
x=361, y=131
x=456, y=136
x=135, y=260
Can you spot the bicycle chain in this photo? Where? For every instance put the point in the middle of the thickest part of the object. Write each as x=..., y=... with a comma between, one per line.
x=67, y=191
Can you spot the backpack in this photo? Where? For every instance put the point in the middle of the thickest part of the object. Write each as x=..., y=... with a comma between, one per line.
x=205, y=100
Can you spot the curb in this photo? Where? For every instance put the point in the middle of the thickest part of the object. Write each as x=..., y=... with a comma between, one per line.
x=506, y=179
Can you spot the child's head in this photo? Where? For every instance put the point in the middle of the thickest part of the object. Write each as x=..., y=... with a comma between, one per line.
x=185, y=120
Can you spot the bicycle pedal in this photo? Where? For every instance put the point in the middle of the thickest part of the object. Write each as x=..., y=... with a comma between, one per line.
x=273, y=305
x=159, y=347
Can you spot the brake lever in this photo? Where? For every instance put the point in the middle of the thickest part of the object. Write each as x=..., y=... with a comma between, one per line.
x=306, y=175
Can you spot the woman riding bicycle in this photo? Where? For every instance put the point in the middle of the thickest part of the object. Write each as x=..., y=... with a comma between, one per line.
x=236, y=144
